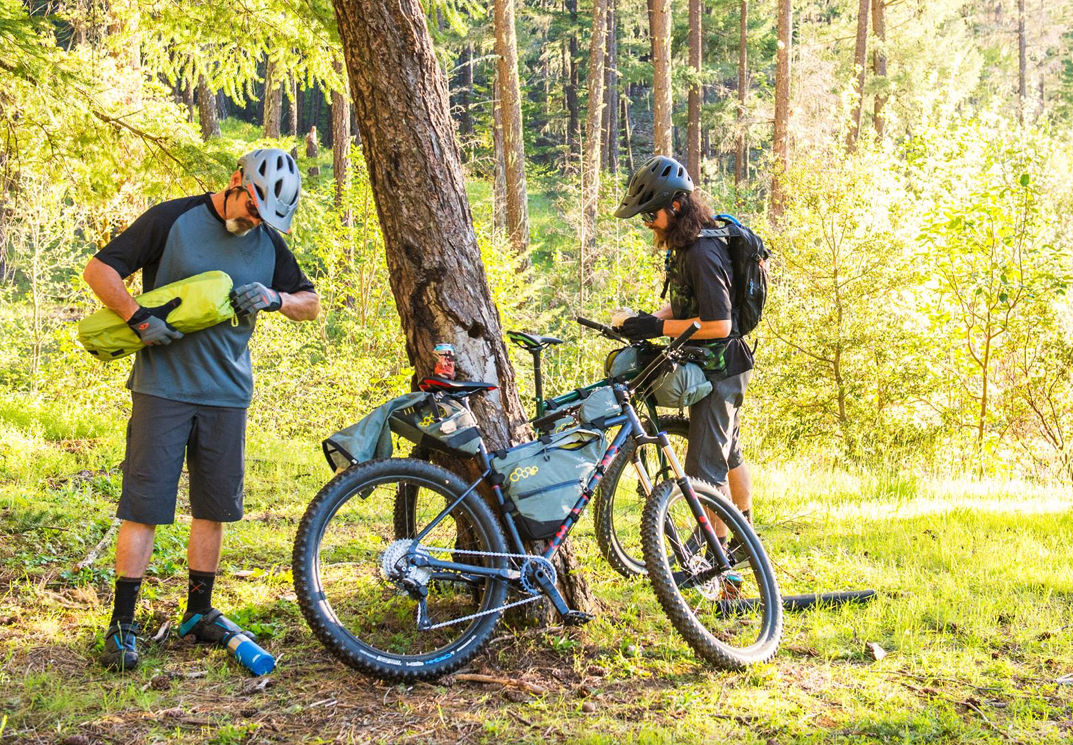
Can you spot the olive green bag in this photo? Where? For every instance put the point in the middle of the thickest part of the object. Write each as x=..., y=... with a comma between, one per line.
x=205, y=302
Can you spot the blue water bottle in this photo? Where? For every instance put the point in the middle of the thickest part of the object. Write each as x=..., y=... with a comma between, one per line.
x=241, y=647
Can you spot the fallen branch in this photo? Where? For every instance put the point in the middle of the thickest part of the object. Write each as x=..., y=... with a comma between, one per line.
x=92, y=555
x=508, y=682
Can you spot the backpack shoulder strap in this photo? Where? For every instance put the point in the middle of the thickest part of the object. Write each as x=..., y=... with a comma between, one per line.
x=724, y=232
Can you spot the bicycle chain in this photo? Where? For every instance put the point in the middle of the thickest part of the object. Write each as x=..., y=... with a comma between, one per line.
x=506, y=606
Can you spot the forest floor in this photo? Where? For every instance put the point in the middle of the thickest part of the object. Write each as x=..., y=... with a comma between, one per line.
x=975, y=611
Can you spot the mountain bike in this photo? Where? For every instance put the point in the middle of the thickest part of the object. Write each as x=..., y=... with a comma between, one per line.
x=420, y=606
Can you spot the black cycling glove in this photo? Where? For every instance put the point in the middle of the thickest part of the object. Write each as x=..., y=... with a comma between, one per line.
x=151, y=324
x=643, y=326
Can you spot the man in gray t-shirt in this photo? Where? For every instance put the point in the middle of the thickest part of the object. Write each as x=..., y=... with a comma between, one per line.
x=190, y=393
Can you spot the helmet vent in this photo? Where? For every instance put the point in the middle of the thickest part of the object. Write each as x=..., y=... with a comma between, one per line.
x=279, y=187
x=666, y=171
x=264, y=165
x=260, y=192
x=654, y=168
x=648, y=197
x=679, y=171
x=279, y=162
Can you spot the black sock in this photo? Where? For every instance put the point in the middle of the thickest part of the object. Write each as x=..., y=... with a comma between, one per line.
x=126, y=597
x=199, y=592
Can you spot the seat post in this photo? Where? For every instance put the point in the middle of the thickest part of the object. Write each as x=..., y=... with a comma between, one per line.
x=539, y=385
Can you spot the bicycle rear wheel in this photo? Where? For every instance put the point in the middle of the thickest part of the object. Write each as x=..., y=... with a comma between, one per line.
x=360, y=596
x=731, y=618
x=620, y=500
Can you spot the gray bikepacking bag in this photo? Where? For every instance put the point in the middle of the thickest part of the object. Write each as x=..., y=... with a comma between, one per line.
x=682, y=386
x=425, y=419
x=542, y=480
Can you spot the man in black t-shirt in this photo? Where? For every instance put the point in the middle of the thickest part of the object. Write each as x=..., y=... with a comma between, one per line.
x=190, y=393
x=699, y=279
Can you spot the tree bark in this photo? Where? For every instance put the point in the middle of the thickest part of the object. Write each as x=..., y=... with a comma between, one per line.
x=206, y=109
x=610, y=114
x=292, y=111
x=1022, y=63
x=696, y=53
x=570, y=75
x=510, y=105
x=466, y=92
x=743, y=89
x=626, y=131
x=273, y=101
x=662, y=136
x=860, y=57
x=188, y=99
x=415, y=172
x=782, y=103
x=879, y=61
x=341, y=142
x=590, y=176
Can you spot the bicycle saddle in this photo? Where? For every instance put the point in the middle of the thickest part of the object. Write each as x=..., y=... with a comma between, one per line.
x=532, y=342
x=457, y=387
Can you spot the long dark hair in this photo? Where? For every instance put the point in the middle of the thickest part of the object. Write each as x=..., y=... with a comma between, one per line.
x=694, y=215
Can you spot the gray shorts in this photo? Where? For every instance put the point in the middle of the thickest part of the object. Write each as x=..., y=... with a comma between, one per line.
x=714, y=424
x=160, y=434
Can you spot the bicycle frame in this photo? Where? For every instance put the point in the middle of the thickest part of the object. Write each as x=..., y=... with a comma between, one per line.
x=630, y=426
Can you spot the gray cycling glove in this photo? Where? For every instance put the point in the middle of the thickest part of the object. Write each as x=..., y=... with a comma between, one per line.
x=151, y=324
x=248, y=299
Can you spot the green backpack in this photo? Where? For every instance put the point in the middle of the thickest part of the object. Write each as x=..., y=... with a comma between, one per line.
x=206, y=302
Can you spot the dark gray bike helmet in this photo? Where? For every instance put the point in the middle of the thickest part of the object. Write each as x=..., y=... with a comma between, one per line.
x=271, y=176
x=654, y=186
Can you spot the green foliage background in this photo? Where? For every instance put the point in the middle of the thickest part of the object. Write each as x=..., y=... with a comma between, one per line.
x=919, y=313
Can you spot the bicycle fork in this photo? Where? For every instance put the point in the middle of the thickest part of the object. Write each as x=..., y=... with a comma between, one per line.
x=715, y=546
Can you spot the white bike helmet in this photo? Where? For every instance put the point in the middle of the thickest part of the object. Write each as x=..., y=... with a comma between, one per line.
x=271, y=176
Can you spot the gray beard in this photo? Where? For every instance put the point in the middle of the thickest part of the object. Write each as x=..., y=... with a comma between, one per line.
x=235, y=227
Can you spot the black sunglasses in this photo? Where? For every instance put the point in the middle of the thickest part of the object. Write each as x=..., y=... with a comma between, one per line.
x=648, y=216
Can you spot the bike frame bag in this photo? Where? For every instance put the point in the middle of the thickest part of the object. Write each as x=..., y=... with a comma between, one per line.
x=542, y=480
x=439, y=423
x=206, y=302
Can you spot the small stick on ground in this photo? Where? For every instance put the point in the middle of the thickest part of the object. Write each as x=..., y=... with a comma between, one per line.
x=92, y=555
x=477, y=678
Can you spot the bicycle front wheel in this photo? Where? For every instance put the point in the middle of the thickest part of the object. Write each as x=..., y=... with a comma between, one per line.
x=363, y=600
x=620, y=500
x=731, y=618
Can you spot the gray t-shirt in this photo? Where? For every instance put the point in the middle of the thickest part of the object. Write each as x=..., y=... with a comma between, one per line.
x=178, y=239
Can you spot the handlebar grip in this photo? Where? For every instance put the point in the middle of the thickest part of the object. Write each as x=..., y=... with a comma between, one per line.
x=591, y=324
x=693, y=328
x=605, y=330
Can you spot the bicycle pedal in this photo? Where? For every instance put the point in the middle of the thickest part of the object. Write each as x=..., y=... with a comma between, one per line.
x=577, y=618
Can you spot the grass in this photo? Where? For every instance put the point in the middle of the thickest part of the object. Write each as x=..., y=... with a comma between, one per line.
x=975, y=613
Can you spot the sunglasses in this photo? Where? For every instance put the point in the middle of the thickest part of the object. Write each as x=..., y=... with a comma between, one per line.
x=648, y=216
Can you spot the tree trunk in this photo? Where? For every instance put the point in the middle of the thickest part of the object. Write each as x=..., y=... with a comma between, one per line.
x=696, y=52
x=273, y=101
x=860, y=57
x=206, y=109
x=499, y=188
x=341, y=142
x=292, y=111
x=743, y=89
x=1022, y=64
x=435, y=270
x=662, y=136
x=466, y=92
x=510, y=105
x=626, y=131
x=188, y=100
x=879, y=61
x=573, y=111
x=611, y=82
x=590, y=176
x=782, y=104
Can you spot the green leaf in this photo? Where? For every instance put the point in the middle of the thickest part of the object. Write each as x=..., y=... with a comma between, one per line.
x=1024, y=179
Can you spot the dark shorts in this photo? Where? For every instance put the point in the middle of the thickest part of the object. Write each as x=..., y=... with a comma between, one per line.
x=714, y=431
x=160, y=434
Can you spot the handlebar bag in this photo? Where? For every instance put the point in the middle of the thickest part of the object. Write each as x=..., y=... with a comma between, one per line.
x=438, y=422
x=543, y=480
x=682, y=386
x=622, y=362
x=205, y=302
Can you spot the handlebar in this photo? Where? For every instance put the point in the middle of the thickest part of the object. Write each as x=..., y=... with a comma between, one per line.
x=605, y=330
x=693, y=328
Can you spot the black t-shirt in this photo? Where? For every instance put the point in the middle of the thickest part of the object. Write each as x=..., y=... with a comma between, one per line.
x=699, y=285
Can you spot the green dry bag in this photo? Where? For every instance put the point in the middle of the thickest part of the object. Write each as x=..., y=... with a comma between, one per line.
x=206, y=302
